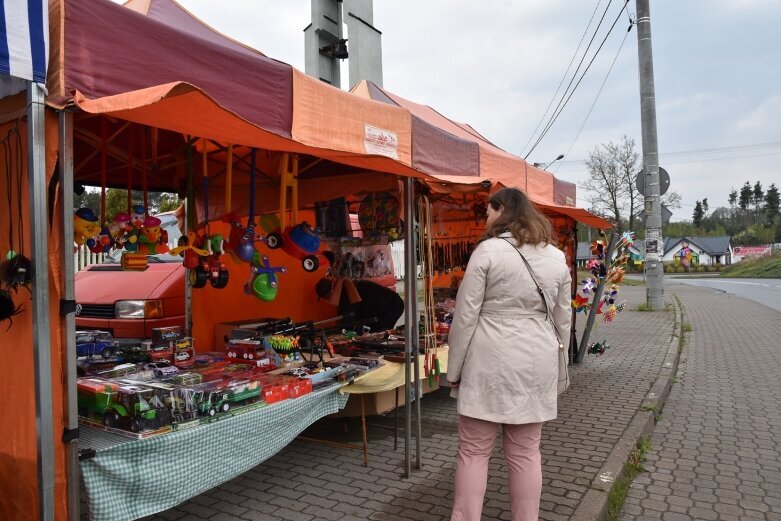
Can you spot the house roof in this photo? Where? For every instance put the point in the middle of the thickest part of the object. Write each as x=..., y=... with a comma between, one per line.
x=711, y=245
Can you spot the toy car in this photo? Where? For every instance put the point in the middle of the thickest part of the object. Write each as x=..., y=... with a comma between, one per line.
x=94, y=342
x=209, y=269
x=161, y=369
x=300, y=241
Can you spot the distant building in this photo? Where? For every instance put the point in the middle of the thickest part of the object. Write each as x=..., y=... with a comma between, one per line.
x=702, y=251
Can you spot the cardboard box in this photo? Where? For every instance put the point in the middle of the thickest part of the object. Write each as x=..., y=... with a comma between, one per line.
x=378, y=403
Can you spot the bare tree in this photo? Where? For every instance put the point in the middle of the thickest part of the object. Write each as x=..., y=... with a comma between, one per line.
x=611, y=171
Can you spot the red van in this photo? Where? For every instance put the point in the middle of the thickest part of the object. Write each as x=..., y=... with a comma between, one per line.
x=129, y=304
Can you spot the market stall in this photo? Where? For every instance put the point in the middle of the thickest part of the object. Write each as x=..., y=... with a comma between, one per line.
x=236, y=148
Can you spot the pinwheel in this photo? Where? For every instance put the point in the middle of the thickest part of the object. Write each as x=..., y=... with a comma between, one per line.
x=580, y=303
x=589, y=285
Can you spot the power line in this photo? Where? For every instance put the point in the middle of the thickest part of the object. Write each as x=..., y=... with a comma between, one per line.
x=631, y=24
x=705, y=151
x=556, y=116
x=564, y=77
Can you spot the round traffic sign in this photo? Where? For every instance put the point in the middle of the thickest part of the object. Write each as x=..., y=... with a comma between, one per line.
x=664, y=181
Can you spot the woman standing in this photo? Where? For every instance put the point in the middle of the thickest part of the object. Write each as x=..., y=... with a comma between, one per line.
x=504, y=349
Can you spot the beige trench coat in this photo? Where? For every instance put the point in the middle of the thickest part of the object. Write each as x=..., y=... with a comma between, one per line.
x=503, y=351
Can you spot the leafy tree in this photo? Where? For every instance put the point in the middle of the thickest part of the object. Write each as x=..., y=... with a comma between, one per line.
x=705, y=205
x=698, y=215
x=733, y=197
x=116, y=201
x=771, y=202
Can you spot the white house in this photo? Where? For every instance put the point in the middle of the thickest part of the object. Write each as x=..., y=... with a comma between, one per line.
x=702, y=251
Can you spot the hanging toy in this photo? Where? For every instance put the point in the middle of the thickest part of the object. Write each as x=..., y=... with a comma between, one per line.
x=16, y=271
x=263, y=279
x=210, y=267
x=7, y=308
x=187, y=249
x=85, y=227
x=241, y=241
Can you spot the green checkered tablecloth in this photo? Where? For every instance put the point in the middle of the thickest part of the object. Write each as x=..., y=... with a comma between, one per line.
x=130, y=478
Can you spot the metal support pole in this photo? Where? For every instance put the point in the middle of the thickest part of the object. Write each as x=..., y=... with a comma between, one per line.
x=69, y=342
x=592, y=314
x=410, y=313
x=654, y=243
x=415, y=327
x=36, y=167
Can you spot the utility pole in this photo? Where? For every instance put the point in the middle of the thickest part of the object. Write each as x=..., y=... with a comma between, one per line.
x=654, y=243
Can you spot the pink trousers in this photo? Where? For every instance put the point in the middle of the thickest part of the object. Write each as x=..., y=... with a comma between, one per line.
x=522, y=454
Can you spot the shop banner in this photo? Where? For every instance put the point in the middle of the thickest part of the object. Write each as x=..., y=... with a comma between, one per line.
x=381, y=142
x=741, y=252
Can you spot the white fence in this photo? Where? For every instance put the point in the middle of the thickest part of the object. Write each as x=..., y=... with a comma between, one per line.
x=82, y=258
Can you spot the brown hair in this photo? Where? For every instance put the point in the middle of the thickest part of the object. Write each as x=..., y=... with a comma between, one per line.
x=519, y=217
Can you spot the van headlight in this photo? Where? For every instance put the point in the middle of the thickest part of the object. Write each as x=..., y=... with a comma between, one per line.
x=139, y=309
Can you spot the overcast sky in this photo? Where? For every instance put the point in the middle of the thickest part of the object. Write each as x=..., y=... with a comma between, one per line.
x=496, y=65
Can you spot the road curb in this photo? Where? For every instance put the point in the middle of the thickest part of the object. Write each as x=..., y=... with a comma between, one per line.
x=593, y=506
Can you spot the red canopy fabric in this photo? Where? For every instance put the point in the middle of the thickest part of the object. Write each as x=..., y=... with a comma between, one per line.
x=444, y=149
x=103, y=49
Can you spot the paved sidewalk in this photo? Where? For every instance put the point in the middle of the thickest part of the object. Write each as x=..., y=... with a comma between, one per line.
x=716, y=451
x=314, y=482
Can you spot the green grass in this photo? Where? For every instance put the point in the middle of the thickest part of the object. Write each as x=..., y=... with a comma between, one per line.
x=633, y=467
x=686, y=327
x=760, y=268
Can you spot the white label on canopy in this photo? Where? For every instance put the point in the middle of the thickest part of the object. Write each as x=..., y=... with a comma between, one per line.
x=380, y=142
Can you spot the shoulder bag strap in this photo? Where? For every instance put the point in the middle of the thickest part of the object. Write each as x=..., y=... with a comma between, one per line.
x=539, y=290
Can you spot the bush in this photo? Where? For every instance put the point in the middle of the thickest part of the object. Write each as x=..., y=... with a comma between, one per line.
x=680, y=269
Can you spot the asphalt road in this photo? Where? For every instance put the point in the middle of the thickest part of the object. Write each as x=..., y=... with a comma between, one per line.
x=764, y=291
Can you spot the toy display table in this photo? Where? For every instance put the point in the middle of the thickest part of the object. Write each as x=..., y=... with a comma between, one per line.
x=128, y=479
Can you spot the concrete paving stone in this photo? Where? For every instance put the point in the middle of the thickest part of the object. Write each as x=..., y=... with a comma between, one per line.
x=674, y=516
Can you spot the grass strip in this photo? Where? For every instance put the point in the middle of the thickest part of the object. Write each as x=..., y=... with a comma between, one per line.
x=632, y=468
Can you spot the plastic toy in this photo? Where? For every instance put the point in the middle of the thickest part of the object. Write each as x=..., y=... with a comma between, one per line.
x=85, y=227
x=92, y=343
x=161, y=368
x=235, y=393
x=263, y=279
x=132, y=408
x=188, y=250
x=241, y=240
x=210, y=267
x=152, y=239
x=300, y=241
x=133, y=261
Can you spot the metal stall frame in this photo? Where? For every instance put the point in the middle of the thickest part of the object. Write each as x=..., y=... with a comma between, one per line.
x=36, y=167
